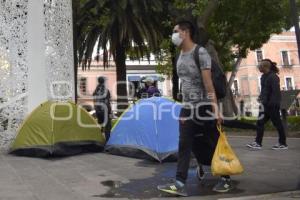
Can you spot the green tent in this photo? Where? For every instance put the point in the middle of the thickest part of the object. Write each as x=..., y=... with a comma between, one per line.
x=58, y=129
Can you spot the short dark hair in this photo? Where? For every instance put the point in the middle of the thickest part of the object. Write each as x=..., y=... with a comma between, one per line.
x=187, y=25
x=101, y=80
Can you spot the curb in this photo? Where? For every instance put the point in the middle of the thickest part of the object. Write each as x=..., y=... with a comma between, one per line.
x=279, y=196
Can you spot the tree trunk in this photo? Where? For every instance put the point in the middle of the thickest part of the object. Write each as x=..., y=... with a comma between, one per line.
x=120, y=60
x=234, y=71
x=229, y=107
x=228, y=104
x=295, y=19
x=209, y=10
x=74, y=8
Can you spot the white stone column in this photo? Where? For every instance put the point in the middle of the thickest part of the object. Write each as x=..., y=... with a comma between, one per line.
x=36, y=59
x=59, y=49
x=13, y=68
x=37, y=77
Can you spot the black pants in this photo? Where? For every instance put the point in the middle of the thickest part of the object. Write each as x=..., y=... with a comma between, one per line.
x=268, y=113
x=105, y=121
x=197, y=136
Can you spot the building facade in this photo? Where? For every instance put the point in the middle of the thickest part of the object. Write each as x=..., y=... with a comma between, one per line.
x=135, y=71
x=281, y=49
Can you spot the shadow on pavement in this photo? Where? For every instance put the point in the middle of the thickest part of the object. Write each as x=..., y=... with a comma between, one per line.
x=164, y=173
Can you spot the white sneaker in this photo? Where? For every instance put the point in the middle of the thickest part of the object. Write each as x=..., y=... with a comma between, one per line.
x=280, y=147
x=254, y=145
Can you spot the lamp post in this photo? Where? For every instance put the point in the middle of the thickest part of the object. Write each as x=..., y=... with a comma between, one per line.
x=295, y=18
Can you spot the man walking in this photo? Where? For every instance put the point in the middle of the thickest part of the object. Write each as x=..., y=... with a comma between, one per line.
x=199, y=115
x=270, y=98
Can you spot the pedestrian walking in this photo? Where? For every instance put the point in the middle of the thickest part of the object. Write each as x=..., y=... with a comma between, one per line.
x=270, y=99
x=198, y=130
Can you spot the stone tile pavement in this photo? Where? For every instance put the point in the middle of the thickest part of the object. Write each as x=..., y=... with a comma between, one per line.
x=104, y=176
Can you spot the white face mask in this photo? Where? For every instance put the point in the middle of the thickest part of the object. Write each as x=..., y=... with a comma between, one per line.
x=176, y=39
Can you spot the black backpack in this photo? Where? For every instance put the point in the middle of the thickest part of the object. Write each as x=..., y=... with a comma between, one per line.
x=218, y=77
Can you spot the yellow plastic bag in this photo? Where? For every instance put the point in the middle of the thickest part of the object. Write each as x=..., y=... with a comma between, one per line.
x=224, y=161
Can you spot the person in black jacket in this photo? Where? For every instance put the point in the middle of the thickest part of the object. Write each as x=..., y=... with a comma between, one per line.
x=270, y=98
x=103, y=107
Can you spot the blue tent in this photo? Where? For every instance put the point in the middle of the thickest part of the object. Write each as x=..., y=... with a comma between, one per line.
x=148, y=129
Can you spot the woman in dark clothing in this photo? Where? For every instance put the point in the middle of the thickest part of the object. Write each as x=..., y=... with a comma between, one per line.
x=270, y=99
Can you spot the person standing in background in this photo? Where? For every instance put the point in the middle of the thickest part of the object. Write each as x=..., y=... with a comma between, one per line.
x=151, y=88
x=102, y=106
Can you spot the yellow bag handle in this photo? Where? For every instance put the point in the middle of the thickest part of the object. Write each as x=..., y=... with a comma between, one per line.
x=219, y=127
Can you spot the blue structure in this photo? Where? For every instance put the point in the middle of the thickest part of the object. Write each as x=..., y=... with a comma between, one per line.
x=148, y=129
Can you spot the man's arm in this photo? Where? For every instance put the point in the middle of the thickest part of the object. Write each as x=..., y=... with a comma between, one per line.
x=211, y=94
x=205, y=67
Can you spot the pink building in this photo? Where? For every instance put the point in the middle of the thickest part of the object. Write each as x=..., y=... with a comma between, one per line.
x=87, y=80
x=281, y=49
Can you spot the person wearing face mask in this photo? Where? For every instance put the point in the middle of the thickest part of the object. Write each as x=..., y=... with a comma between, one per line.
x=270, y=98
x=198, y=128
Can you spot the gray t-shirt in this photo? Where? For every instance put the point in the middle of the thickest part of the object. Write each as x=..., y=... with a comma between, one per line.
x=192, y=87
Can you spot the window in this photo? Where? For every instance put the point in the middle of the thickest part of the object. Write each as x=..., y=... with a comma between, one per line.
x=289, y=85
x=259, y=55
x=285, y=58
x=297, y=103
x=82, y=86
x=259, y=84
x=235, y=87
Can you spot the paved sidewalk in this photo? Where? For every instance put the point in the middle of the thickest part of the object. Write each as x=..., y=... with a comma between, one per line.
x=104, y=176
x=274, y=196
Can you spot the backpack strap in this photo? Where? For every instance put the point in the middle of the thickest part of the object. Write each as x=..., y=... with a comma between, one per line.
x=196, y=56
x=179, y=95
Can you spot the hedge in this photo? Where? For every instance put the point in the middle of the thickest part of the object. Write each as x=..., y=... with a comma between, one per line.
x=293, y=123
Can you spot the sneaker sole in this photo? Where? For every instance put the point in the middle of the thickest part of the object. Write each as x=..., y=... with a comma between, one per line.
x=277, y=149
x=225, y=190
x=173, y=192
x=251, y=147
x=222, y=191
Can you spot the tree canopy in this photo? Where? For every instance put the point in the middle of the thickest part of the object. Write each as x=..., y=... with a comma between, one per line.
x=228, y=29
x=118, y=27
x=235, y=26
x=133, y=24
